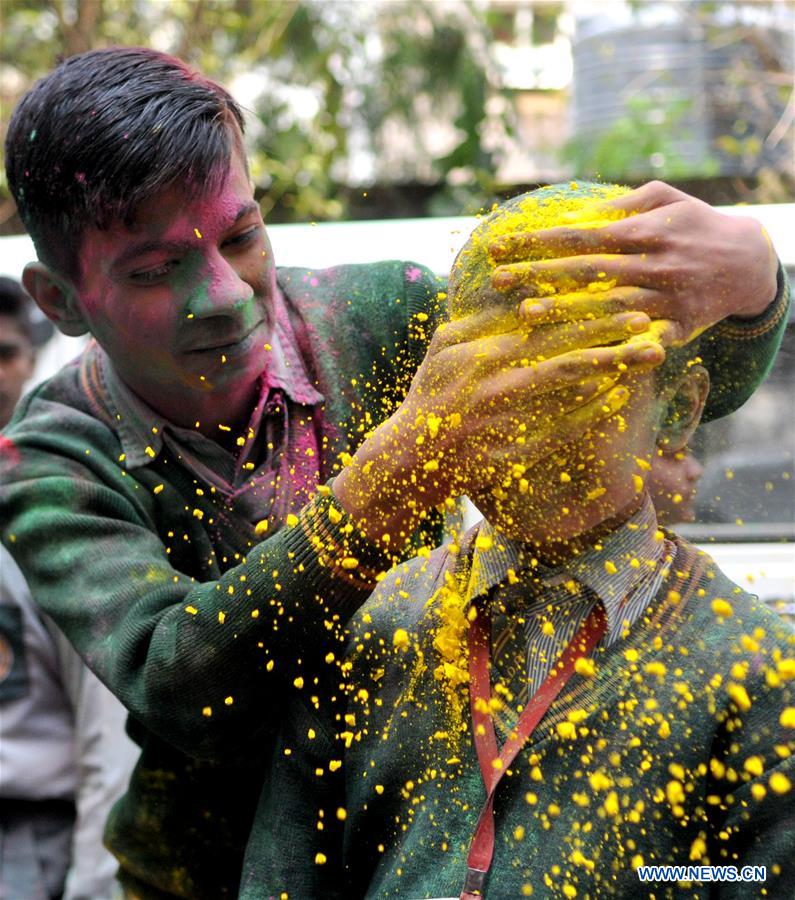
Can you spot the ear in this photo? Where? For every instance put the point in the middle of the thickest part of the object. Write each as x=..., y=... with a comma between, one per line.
x=56, y=298
x=683, y=412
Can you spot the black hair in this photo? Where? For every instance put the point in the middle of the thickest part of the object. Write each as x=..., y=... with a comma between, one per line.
x=106, y=130
x=15, y=304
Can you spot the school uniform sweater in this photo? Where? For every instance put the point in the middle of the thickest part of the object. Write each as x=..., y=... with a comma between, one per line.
x=200, y=626
x=676, y=749
x=162, y=583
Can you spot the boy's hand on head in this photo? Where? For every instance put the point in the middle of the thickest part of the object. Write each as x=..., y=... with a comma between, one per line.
x=672, y=256
x=489, y=394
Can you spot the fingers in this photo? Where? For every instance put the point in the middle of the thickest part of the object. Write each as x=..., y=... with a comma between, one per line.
x=562, y=274
x=632, y=233
x=667, y=332
x=523, y=348
x=581, y=306
x=651, y=195
x=540, y=441
x=520, y=384
x=622, y=236
x=666, y=271
x=488, y=321
x=594, y=332
x=552, y=405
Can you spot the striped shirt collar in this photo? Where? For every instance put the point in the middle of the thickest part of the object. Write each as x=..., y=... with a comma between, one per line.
x=140, y=428
x=612, y=568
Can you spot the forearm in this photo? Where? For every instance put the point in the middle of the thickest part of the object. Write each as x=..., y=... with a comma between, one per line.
x=204, y=665
x=387, y=488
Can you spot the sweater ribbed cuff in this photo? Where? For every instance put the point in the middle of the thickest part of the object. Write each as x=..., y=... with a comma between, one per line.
x=748, y=329
x=338, y=545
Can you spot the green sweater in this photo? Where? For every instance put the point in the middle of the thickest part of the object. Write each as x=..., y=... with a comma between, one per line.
x=120, y=564
x=679, y=755
x=137, y=579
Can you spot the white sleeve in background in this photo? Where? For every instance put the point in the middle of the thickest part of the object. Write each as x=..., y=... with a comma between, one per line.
x=105, y=757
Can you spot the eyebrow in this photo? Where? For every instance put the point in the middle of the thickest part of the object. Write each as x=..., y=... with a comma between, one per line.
x=130, y=254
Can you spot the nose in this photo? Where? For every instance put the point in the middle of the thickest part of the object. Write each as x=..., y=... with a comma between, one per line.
x=219, y=291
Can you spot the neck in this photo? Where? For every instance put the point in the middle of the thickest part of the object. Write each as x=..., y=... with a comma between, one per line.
x=558, y=549
x=223, y=417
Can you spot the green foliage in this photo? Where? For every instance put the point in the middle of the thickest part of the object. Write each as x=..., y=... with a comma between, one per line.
x=329, y=85
x=744, y=94
x=639, y=145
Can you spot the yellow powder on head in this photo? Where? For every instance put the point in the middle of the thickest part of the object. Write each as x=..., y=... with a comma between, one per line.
x=551, y=207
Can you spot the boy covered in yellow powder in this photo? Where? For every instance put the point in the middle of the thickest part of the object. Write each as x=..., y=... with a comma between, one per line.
x=567, y=696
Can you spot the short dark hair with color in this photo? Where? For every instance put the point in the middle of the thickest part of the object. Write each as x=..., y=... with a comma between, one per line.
x=106, y=130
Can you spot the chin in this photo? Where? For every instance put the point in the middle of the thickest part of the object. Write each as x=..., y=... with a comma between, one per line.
x=566, y=517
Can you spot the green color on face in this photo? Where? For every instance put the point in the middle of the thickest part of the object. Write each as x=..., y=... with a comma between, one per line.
x=181, y=301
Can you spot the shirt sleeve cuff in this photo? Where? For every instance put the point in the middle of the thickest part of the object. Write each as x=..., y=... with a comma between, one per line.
x=749, y=329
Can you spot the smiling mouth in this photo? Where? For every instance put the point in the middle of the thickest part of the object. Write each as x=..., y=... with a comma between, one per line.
x=226, y=346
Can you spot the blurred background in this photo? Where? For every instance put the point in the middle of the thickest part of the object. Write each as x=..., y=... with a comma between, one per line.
x=403, y=108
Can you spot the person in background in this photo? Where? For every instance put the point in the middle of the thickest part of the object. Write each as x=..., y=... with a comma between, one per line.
x=23, y=329
x=673, y=482
x=64, y=754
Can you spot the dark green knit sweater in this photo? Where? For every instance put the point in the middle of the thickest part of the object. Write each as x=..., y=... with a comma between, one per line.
x=681, y=753
x=121, y=566
x=122, y=569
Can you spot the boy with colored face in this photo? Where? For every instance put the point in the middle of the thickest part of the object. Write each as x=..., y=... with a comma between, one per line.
x=166, y=495
x=620, y=702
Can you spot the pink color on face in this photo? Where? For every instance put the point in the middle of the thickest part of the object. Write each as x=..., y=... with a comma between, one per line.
x=181, y=301
x=413, y=274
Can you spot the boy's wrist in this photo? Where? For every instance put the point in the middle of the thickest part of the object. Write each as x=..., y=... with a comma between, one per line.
x=385, y=488
x=764, y=285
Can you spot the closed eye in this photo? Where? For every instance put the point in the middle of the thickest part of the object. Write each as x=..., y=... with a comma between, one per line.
x=154, y=275
x=243, y=238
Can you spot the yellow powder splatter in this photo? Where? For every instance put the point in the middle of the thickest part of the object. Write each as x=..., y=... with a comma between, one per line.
x=779, y=783
x=721, y=608
x=400, y=639
x=584, y=667
x=787, y=718
x=566, y=730
x=739, y=695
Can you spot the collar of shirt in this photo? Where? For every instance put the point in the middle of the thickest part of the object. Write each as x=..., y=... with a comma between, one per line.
x=140, y=428
x=612, y=568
